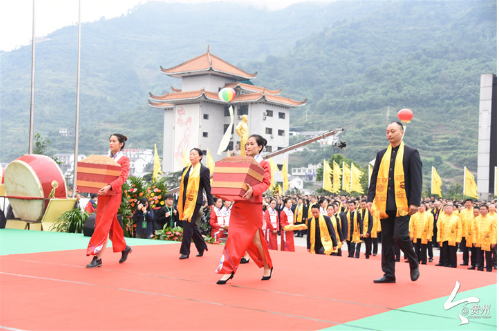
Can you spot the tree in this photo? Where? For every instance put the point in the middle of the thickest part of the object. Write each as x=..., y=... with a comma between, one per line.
x=42, y=148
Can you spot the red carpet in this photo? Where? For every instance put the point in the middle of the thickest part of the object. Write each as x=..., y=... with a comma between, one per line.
x=156, y=290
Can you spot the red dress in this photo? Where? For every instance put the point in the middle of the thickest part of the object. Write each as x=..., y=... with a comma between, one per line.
x=272, y=220
x=216, y=220
x=287, y=237
x=106, y=220
x=245, y=221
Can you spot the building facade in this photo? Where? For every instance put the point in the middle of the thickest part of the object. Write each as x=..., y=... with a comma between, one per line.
x=194, y=116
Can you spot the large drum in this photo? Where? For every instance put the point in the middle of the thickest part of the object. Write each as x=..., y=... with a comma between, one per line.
x=30, y=182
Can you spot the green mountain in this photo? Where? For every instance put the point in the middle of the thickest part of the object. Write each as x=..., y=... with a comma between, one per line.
x=425, y=56
x=120, y=60
x=357, y=63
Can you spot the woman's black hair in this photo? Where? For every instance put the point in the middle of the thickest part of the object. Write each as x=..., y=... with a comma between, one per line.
x=200, y=152
x=215, y=200
x=259, y=140
x=143, y=201
x=121, y=138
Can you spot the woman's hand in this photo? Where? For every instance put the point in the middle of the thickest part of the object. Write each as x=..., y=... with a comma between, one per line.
x=249, y=192
x=104, y=190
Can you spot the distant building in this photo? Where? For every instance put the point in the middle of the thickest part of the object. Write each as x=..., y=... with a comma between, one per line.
x=307, y=174
x=194, y=116
x=139, y=160
x=296, y=182
x=67, y=160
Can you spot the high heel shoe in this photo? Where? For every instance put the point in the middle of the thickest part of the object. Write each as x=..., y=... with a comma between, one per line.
x=224, y=281
x=269, y=276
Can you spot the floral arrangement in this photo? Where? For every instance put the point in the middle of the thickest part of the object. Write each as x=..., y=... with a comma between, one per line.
x=171, y=234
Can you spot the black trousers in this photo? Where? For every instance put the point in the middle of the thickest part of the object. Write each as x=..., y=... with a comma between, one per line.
x=494, y=255
x=429, y=246
x=488, y=258
x=353, y=249
x=374, y=242
x=191, y=231
x=466, y=252
x=448, y=255
x=396, y=230
x=367, y=243
x=420, y=250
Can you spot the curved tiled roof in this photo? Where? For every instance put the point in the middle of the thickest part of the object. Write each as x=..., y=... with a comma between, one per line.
x=212, y=96
x=205, y=63
x=252, y=88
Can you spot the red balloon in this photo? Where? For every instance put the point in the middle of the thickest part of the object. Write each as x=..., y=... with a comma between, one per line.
x=405, y=115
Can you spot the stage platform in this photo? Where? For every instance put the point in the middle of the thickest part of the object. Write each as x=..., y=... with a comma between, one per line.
x=45, y=286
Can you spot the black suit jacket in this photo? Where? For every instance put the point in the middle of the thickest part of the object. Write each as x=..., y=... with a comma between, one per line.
x=413, y=172
x=204, y=183
x=318, y=243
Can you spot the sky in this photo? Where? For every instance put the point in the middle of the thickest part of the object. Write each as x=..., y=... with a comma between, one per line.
x=16, y=16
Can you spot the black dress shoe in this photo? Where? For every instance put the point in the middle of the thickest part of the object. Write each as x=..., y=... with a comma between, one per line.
x=96, y=263
x=202, y=252
x=464, y=263
x=244, y=261
x=430, y=260
x=269, y=276
x=184, y=256
x=471, y=268
x=415, y=274
x=375, y=254
x=367, y=257
x=489, y=270
x=397, y=260
x=384, y=279
x=440, y=265
x=224, y=281
x=124, y=254
x=479, y=269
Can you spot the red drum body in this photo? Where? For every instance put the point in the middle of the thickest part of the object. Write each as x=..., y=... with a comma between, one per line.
x=29, y=181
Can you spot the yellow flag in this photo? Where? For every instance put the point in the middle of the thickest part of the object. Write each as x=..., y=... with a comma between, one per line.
x=436, y=183
x=209, y=162
x=326, y=178
x=284, y=173
x=187, y=161
x=336, y=177
x=157, y=165
x=469, y=188
x=356, y=174
x=346, y=178
x=273, y=169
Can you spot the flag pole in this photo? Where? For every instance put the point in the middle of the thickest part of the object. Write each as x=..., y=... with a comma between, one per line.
x=464, y=180
x=431, y=186
x=32, y=104
x=77, y=120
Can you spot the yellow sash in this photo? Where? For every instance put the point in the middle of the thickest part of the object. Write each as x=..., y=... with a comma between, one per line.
x=185, y=212
x=325, y=237
x=399, y=178
x=356, y=230
x=335, y=226
x=299, y=214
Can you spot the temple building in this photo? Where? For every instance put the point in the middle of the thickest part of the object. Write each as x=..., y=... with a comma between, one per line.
x=194, y=116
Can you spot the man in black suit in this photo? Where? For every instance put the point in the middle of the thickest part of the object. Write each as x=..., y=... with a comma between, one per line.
x=395, y=226
x=319, y=234
x=191, y=230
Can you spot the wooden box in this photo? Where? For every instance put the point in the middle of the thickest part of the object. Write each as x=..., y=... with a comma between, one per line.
x=231, y=175
x=95, y=172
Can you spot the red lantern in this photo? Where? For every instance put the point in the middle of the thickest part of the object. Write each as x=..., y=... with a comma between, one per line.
x=405, y=115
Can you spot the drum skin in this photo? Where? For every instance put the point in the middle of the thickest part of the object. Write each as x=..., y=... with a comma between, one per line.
x=33, y=176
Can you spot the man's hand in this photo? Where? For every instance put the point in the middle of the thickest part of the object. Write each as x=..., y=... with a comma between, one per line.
x=413, y=209
x=369, y=206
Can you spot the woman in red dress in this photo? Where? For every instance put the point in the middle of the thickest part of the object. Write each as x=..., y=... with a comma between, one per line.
x=272, y=220
x=217, y=221
x=287, y=217
x=107, y=225
x=245, y=226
